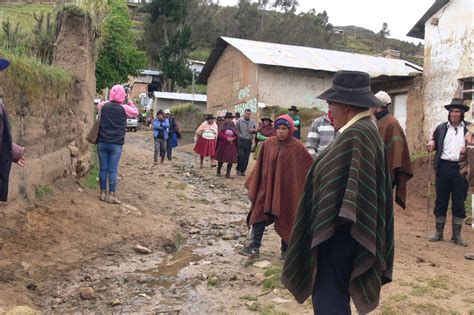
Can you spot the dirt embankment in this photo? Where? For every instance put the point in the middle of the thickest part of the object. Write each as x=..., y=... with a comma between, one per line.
x=71, y=241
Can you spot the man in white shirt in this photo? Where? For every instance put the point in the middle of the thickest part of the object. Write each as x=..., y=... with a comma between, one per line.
x=448, y=140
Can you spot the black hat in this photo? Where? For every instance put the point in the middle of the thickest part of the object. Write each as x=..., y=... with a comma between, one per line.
x=458, y=103
x=4, y=63
x=228, y=115
x=210, y=116
x=294, y=108
x=266, y=118
x=351, y=88
x=220, y=118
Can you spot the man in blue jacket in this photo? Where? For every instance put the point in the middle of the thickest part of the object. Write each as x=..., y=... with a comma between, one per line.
x=160, y=135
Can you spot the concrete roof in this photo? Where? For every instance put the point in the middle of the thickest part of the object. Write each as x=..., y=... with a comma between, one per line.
x=300, y=57
x=181, y=96
x=418, y=31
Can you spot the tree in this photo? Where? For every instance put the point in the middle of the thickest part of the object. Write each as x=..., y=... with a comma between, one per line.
x=383, y=34
x=168, y=40
x=286, y=5
x=118, y=56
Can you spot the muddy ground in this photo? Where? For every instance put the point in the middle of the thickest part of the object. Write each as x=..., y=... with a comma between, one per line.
x=193, y=223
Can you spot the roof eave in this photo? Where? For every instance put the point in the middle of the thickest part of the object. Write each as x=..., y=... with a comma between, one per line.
x=216, y=53
x=418, y=31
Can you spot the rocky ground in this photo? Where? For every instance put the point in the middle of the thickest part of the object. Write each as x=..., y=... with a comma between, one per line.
x=171, y=248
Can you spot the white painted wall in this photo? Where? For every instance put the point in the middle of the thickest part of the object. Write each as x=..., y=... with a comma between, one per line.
x=448, y=58
x=400, y=109
x=278, y=86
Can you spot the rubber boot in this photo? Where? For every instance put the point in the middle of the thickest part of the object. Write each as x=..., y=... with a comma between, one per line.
x=113, y=199
x=103, y=195
x=438, y=236
x=457, y=226
x=229, y=169
x=219, y=168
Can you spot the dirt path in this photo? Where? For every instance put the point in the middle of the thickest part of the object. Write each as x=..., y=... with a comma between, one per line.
x=193, y=222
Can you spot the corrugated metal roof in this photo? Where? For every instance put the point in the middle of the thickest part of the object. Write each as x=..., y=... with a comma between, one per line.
x=300, y=57
x=418, y=31
x=150, y=72
x=181, y=96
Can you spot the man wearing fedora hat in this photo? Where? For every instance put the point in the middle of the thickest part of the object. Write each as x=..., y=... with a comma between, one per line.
x=293, y=113
x=342, y=241
x=448, y=140
x=9, y=151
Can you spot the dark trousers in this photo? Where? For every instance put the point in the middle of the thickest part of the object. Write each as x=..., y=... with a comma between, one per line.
x=160, y=149
x=257, y=235
x=245, y=148
x=335, y=263
x=450, y=182
x=169, y=147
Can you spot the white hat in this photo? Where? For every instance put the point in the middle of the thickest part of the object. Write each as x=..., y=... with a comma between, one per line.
x=167, y=111
x=384, y=98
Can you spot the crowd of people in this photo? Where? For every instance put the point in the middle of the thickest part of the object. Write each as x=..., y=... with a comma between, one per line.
x=330, y=200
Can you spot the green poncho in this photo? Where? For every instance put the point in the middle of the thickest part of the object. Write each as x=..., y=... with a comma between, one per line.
x=348, y=182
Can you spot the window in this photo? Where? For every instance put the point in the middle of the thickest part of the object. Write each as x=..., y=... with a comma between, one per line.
x=467, y=88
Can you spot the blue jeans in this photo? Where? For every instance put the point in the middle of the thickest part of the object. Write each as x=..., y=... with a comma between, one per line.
x=109, y=157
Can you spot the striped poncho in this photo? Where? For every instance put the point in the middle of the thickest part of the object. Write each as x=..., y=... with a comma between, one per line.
x=348, y=182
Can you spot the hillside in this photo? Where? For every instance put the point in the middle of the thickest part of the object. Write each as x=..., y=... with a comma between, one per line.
x=211, y=21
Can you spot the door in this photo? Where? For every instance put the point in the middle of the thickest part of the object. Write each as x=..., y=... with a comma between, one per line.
x=400, y=109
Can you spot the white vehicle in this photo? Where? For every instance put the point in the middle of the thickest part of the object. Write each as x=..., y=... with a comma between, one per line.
x=132, y=124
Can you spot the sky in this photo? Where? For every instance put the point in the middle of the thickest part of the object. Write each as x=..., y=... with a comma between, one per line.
x=400, y=15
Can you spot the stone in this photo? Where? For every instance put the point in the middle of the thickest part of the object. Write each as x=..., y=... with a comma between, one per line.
x=279, y=300
x=262, y=264
x=233, y=278
x=230, y=237
x=194, y=231
x=87, y=293
x=142, y=249
x=468, y=221
x=469, y=256
x=32, y=286
x=201, y=276
x=116, y=302
x=259, y=276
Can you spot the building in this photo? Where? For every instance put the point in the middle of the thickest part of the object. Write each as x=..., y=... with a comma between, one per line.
x=447, y=28
x=164, y=100
x=147, y=82
x=244, y=74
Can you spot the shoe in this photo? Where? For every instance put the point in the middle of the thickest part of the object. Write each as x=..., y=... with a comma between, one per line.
x=169, y=159
x=103, y=195
x=229, y=176
x=113, y=199
x=237, y=172
x=241, y=174
x=162, y=159
x=218, y=174
x=250, y=251
x=213, y=165
x=155, y=163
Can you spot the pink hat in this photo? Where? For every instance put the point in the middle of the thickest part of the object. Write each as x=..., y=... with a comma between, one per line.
x=117, y=94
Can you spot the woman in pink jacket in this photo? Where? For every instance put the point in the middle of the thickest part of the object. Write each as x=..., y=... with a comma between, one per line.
x=113, y=122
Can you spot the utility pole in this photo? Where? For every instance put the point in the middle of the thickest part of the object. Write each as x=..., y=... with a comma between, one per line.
x=194, y=72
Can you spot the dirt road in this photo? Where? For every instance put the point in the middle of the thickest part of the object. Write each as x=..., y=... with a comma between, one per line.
x=193, y=223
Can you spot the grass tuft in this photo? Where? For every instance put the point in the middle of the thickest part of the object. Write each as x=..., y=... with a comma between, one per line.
x=43, y=191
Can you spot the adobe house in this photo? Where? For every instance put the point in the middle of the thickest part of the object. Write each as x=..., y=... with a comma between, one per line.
x=447, y=28
x=244, y=74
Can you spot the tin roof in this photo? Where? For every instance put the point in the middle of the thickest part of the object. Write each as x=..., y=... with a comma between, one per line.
x=300, y=57
x=181, y=96
x=418, y=31
x=150, y=72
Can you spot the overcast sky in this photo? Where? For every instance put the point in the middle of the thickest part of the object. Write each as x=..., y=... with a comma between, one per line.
x=400, y=15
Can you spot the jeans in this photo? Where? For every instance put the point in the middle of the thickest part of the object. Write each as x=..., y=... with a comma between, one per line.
x=335, y=264
x=160, y=148
x=245, y=148
x=109, y=157
x=450, y=182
